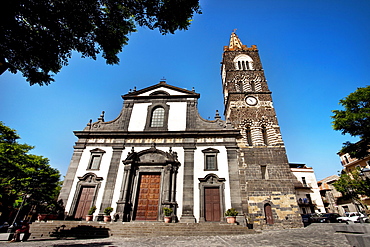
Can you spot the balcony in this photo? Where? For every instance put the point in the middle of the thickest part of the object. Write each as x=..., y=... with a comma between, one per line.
x=299, y=185
x=306, y=202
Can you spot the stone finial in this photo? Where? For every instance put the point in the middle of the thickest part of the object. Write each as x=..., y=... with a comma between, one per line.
x=217, y=115
x=162, y=81
x=193, y=89
x=101, y=118
x=89, y=123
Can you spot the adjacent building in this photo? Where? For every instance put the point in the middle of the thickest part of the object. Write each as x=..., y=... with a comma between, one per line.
x=307, y=190
x=160, y=153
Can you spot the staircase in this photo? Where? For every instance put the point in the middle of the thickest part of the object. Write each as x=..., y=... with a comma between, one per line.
x=93, y=229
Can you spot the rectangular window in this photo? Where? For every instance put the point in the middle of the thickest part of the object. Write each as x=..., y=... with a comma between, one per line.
x=211, y=162
x=263, y=172
x=304, y=181
x=95, y=162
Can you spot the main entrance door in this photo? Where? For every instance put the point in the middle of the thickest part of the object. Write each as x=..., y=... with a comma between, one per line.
x=212, y=204
x=84, y=201
x=148, y=198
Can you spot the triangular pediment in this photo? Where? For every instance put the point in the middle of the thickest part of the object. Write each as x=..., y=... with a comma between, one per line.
x=161, y=89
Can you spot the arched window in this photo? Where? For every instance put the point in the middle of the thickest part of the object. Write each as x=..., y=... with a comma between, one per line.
x=240, y=86
x=264, y=135
x=253, y=86
x=157, y=119
x=243, y=62
x=249, y=136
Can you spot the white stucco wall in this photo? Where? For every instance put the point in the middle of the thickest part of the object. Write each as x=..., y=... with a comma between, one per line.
x=170, y=91
x=138, y=117
x=199, y=172
x=82, y=170
x=177, y=116
x=309, y=175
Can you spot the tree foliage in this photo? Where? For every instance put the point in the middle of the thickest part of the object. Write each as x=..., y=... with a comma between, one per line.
x=22, y=174
x=352, y=185
x=355, y=120
x=38, y=37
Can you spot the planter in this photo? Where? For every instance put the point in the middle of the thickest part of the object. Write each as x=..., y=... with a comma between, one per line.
x=107, y=218
x=231, y=219
x=45, y=217
x=167, y=219
x=89, y=217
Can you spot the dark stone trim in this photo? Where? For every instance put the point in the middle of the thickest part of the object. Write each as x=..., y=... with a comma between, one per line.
x=157, y=134
x=188, y=188
x=88, y=180
x=210, y=181
x=111, y=177
x=71, y=173
x=149, y=115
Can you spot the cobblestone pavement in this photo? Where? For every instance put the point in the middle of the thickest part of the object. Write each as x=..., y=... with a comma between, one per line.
x=313, y=235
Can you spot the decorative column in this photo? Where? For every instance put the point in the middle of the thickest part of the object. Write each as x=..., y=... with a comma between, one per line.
x=123, y=202
x=188, y=189
x=71, y=173
x=111, y=178
x=235, y=196
x=167, y=177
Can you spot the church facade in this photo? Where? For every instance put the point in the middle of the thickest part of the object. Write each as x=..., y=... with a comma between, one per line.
x=160, y=153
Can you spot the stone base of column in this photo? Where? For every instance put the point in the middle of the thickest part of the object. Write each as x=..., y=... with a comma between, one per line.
x=187, y=219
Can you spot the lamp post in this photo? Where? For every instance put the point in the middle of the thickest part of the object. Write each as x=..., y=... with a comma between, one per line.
x=25, y=197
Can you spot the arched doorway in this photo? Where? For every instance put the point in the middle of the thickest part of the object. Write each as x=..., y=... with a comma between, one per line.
x=268, y=214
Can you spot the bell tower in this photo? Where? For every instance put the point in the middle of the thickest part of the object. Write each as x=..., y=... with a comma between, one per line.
x=247, y=98
x=266, y=182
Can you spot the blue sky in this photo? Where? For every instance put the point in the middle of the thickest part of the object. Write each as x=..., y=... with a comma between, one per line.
x=314, y=53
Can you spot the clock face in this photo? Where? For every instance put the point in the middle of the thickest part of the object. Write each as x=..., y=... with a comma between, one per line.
x=250, y=100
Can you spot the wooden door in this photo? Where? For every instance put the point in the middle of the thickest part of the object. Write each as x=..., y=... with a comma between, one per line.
x=148, y=198
x=212, y=204
x=84, y=202
x=268, y=214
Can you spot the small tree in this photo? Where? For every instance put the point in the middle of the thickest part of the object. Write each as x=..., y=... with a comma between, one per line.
x=352, y=186
x=91, y=210
x=25, y=179
x=167, y=211
x=108, y=210
x=355, y=120
x=231, y=212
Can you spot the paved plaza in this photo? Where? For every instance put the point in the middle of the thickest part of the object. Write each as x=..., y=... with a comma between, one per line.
x=313, y=235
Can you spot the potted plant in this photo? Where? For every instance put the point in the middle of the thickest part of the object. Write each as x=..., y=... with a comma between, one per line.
x=231, y=214
x=107, y=212
x=167, y=215
x=89, y=216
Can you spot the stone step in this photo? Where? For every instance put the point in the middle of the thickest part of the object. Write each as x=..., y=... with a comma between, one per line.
x=82, y=229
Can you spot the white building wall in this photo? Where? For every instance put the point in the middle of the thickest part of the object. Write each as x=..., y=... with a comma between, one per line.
x=199, y=172
x=138, y=117
x=170, y=91
x=82, y=170
x=177, y=116
x=309, y=175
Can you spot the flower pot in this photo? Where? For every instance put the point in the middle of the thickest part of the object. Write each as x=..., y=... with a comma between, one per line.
x=167, y=219
x=42, y=217
x=89, y=217
x=107, y=218
x=231, y=219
